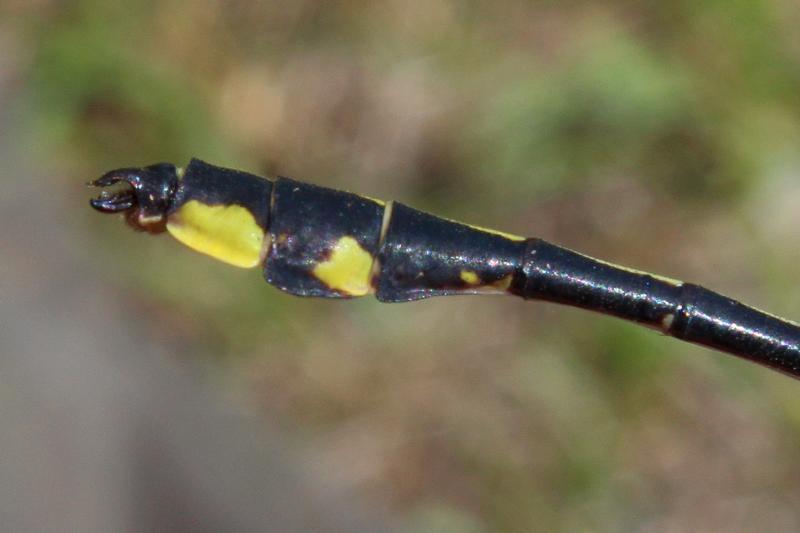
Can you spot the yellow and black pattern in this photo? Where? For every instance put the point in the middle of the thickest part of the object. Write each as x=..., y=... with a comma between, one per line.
x=222, y=213
x=423, y=255
x=323, y=241
x=315, y=241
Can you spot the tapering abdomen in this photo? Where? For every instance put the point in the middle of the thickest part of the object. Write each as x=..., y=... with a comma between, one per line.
x=315, y=241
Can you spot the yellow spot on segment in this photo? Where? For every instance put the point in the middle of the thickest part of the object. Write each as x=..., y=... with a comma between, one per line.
x=348, y=269
x=503, y=283
x=469, y=277
x=228, y=233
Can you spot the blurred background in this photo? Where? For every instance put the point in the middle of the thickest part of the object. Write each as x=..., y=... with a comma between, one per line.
x=658, y=135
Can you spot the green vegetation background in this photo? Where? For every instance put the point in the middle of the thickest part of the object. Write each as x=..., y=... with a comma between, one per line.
x=660, y=135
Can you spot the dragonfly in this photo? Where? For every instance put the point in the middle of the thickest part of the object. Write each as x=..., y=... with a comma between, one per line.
x=321, y=242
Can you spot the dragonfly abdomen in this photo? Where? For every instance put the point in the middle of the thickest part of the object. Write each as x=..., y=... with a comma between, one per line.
x=682, y=310
x=422, y=255
x=315, y=241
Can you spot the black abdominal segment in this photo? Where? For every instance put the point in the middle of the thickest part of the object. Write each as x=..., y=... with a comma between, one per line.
x=307, y=222
x=423, y=255
x=213, y=185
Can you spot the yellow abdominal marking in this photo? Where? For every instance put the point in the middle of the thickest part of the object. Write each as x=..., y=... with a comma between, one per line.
x=469, y=277
x=665, y=279
x=509, y=236
x=503, y=283
x=348, y=269
x=376, y=200
x=228, y=233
